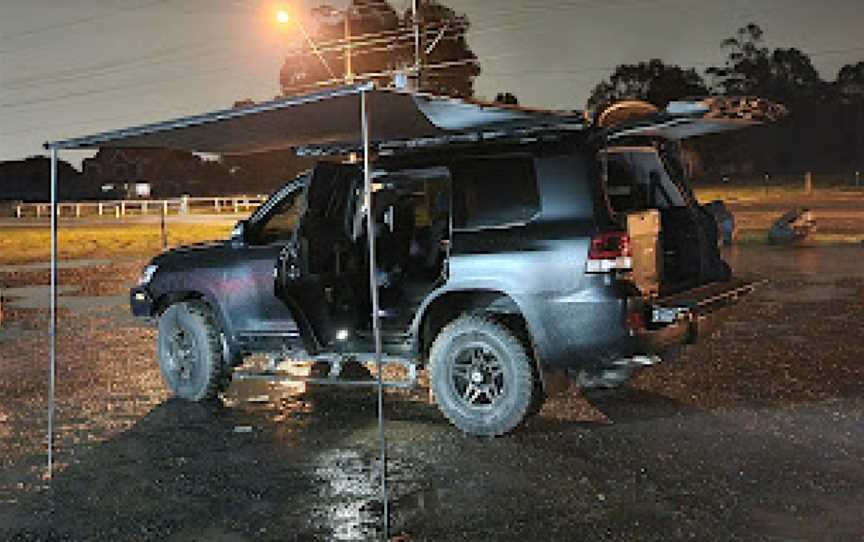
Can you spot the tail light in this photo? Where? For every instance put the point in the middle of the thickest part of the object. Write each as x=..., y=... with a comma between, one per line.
x=610, y=251
x=634, y=321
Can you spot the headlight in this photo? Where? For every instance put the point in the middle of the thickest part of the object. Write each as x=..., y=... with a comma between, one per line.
x=147, y=274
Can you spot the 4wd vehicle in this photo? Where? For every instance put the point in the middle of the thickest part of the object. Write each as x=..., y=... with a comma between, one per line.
x=506, y=269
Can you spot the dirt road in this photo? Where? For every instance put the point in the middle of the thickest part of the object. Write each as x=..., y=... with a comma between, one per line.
x=757, y=433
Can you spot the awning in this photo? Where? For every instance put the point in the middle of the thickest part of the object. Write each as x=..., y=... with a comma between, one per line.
x=327, y=118
x=357, y=116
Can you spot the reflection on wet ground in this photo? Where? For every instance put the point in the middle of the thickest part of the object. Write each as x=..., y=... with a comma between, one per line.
x=755, y=433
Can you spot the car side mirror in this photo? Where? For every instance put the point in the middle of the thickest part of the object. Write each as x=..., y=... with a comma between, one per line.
x=238, y=233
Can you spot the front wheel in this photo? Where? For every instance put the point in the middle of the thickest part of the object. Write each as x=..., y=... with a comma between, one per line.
x=190, y=353
x=481, y=376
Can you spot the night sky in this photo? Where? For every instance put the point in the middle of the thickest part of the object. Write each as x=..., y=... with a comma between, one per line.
x=82, y=66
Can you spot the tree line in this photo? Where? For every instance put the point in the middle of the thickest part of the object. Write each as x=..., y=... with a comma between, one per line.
x=823, y=132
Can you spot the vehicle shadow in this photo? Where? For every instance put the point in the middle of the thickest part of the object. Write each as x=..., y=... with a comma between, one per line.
x=587, y=409
x=302, y=467
x=572, y=408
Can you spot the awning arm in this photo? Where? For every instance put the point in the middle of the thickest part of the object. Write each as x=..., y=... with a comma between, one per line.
x=52, y=324
x=373, y=287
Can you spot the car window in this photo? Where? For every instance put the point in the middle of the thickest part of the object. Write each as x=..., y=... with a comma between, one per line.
x=623, y=190
x=637, y=180
x=490, y=192
x=281, y=221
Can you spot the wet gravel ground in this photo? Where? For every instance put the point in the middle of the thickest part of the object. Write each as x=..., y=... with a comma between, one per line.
x=756, y=433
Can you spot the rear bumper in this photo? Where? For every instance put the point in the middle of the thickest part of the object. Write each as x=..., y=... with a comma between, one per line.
x=141, y=303
x=655, y=341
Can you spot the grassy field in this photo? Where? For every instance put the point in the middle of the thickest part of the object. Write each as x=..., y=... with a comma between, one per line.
x=32, y=243
x=773, y=194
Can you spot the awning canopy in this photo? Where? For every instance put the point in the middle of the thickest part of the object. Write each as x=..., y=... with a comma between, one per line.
x=328, y=121
x=329, y=118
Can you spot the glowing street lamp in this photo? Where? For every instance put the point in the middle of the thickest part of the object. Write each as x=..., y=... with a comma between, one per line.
x=282, y=17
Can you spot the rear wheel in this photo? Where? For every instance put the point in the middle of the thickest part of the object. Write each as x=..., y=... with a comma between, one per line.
x=482, y=376
x=190, y=352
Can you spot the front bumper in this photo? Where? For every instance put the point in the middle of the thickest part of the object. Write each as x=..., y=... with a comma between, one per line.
x=141, y=303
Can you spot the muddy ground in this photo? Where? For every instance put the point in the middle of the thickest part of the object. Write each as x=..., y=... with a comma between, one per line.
x=757, y=433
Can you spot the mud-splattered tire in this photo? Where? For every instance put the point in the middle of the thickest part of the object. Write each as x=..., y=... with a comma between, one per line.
x=190, y=352
x=481, y=376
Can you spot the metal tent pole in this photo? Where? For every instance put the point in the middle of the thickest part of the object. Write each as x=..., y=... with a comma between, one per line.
x=52, y=324
x=373, y=286
x=416, y=22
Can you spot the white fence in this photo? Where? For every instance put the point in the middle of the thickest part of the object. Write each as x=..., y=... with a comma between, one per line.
x=139, y=207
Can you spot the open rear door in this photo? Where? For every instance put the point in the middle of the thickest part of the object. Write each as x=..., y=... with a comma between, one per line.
x=676, y=262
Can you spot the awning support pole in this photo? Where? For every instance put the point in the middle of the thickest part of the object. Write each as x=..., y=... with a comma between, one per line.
x=52, y=324
x=373, y=287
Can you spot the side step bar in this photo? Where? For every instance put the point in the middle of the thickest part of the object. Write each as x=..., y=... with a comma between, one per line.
x=280, y=376
x=335, y=369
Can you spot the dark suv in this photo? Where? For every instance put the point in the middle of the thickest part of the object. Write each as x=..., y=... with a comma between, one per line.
x=506, y=270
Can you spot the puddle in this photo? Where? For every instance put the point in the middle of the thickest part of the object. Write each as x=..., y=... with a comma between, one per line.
x=62, y=264
x=350, y=482
x=818, y=264
x=820, y=269
x=814, y=293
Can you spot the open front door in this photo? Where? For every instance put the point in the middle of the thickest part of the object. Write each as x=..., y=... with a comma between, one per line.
x=321, y=274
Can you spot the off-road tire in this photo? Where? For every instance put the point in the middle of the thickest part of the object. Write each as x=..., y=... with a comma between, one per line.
x=538, y=398
x=461, y=340
x=190, y=352
x=518, y=327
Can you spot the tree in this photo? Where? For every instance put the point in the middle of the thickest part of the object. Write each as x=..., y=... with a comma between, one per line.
x=459, y=65
x=850, y=90
x=652, y=81
x=850, y=82
x=792, y=75
x=452, y=64
x=783, y=75
x=746, y=63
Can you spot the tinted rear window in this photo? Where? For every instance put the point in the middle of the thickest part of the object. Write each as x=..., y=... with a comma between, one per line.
x=490, y=192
